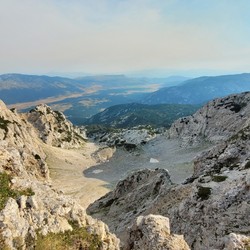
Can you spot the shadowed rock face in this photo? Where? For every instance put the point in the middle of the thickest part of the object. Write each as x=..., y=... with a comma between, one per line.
x=218, y=120
x=212, y=204
x=54, y=129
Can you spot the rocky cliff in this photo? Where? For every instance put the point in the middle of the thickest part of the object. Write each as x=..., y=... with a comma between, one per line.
x=29, y=208
x=54, y=129
x=217, y=120
x=212, y=208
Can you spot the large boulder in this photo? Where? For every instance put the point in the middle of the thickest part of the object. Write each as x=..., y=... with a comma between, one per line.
x=152, y=232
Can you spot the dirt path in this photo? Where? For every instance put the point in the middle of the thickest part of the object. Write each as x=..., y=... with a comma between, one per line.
x=66, y=171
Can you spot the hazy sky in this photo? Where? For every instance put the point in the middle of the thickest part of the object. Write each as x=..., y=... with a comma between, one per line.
x=114, y=36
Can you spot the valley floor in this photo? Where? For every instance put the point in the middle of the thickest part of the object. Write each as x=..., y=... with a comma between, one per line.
x=78, y=174
x=66, y=167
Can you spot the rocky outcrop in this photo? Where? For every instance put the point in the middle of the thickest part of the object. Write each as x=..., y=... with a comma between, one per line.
x=54, y=129
x=32, y=206
x=152, y=232
x=44, y=212
x=216, y=121
x=237, y=241
x=127, y=138
x=232, y=154
x=129, y=199
x=20, y=151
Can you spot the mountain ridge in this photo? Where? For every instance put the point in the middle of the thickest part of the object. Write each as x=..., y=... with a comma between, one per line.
x=200, y=90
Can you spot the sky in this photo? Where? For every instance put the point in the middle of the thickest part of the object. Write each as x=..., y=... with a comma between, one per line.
x=157, y=37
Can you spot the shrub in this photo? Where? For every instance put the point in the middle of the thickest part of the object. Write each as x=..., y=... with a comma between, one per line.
x=219, y=178
x=78, y=238
x=203, y=192
x=6, y=191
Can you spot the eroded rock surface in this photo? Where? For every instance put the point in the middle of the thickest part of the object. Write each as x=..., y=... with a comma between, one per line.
x=42, y=209
x=217, y=120
x=152, y=232
x=54, y=129
x=212, y=204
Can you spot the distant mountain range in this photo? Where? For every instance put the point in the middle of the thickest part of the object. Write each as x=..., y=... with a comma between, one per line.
x=83, y=97
x=133, y=114
x=78, y=98
x=200, y=90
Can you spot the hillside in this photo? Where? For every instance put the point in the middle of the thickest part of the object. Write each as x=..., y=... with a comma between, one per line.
x=211, y=209
x=200, y=90
x=130, y=115
x=78, y=98
x=33, y=214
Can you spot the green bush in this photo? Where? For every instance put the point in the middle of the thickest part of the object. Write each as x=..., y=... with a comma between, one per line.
x=4, y=123
x=204, y=192
x=219, y=178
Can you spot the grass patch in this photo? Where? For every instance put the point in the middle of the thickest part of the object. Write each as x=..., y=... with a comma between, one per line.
x=6, y=191
x=219, y=178
x=78, y=238
x=204, y=192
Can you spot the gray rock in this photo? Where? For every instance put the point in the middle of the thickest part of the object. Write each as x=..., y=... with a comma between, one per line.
x=152, y=232
x=218, y=120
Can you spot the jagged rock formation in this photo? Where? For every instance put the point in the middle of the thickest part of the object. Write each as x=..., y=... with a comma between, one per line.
x=152, y=232
x=21, y=153
x=212, y=204
x=54, y=129
x=41, y=209
x=136, y=192
x=216, y=121
x=232, y=154
x=127, y=138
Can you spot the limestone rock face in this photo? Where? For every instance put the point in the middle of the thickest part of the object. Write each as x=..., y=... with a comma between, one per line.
x=20, y=150
x=232, y=154
x=129, y=199
x=45, y=209
x=216, y=121
x=54, y=129
x=152, y=232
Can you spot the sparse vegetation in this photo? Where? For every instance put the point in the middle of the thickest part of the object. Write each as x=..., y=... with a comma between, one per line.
x=219, y=178
x=203, y=192
x=134, y=114
x=78, y=238
x=59, y=116
x=6, y=191
x=4, y=123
